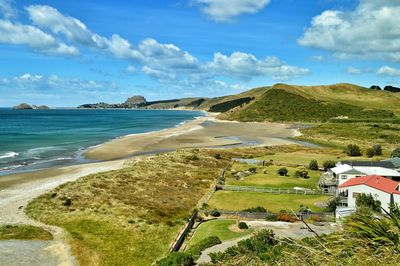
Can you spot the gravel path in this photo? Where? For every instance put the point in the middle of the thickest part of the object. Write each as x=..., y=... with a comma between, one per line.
x=281, y=230
x=12, y=203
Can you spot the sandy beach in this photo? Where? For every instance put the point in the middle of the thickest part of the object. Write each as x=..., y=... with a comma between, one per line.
x=204, y=132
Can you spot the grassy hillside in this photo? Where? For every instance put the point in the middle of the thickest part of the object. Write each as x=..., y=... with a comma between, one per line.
x=281, y=103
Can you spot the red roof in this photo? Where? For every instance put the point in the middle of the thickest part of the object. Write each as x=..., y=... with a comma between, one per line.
x=374, y=181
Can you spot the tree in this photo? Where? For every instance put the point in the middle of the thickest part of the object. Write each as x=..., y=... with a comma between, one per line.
x=367, y=200
x=377, y=149
x=353, y=150
x=329, y=164
x=332, y=204
x=301, y=172
x=396, y=153
x=313, y=165
x=283, y=171
x=370, y=152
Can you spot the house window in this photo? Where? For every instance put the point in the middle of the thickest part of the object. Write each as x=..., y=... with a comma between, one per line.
x=355, y=195
x=344, y=176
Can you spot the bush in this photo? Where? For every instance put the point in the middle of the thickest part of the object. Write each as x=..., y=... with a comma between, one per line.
x=301, y=173
x=377, y=149
x=256, y=209
x=208, y=242
x=271, y=217
x=215, y=213
x=283, y=216
x=332, y=204
x=304, y=209
x=253, y=170
x=315, y=218
x=353, y=150
x=370, y=152
x=243, y=225
x=396, y=153
x=329, y=164
x=313, y=165
x=177, y=259
x=367, y=200
x=282, y=171
x=217, y=156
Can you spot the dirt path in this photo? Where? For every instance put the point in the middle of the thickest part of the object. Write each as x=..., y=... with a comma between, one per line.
x=12, y=204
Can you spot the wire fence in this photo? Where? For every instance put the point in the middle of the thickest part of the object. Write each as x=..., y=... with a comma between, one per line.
x=275, y=190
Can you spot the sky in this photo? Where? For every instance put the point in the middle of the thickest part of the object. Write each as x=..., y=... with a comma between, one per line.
x=66, y=53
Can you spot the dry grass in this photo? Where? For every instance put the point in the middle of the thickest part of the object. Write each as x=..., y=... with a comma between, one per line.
x=24, y=232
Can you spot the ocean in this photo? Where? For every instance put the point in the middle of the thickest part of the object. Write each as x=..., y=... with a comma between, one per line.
x=36, y=139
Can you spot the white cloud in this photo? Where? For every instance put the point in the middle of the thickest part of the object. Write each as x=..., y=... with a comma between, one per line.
x=370, y=31
x=354, y=70
x=6, y=9
x=38, y=40
x=226, y=10
x=389, y=71
x=246, y=66
x=317, y=58
x=76, y=31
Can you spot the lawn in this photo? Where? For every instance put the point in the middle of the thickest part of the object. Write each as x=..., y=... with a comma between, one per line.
x=232, y=200
x=23, y=232
x=272, y=179
x=219, y=228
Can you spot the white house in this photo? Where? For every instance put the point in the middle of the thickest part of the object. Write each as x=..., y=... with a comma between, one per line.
x=345, y=172
x=381, y=188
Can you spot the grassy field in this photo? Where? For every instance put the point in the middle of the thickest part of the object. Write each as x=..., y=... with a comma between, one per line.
x=273, y=180
x=362, y=134
x=129, y=216
x=23, y=232
x=231, y=200
x=219, y=228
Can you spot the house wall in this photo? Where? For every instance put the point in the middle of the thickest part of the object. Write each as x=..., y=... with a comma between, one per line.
x=396, y=198
x=383, y=197
x=343, y=178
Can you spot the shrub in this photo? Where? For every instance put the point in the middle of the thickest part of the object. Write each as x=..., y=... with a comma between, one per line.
x=256, y=209
x=315, y=218
x=370, y=152
x=177, y=259
x=332, y=204
x=215, y=213
x=367, y=200
x=217, y=156
x=208, y=242
x=304, y=209
x=192, y=157
x=283, y=216
x=243, y=225
x=377, y=149
x=301, y=173
x=396, y=153
x=329, y=164
x=353, y=150
x=67, y=202
x=313, y=165
x=282, y=171
x=271, y=217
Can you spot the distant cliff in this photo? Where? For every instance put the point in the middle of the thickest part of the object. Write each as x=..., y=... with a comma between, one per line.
x=25, y=106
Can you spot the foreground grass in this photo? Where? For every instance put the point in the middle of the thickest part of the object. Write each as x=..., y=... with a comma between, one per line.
x=237, y=201
x=273, y=180
x=23, y=232
x=219, y=228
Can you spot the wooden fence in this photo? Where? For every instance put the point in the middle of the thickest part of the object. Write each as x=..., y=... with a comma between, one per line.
x=181, y=237
x=274, y=190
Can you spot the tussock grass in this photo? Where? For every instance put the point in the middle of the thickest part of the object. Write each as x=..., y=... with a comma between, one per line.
x=23, y=232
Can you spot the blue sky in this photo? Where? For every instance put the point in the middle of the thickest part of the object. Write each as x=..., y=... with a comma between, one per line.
x=65, y=53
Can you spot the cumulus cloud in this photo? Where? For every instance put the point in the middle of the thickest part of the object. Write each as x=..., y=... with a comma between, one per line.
x=6, y=9
x=389, y=71
x=226, y=10
x=370, y=31
x=246, y=66
x=38, y=40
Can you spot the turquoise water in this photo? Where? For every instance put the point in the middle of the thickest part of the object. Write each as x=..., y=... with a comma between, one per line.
x=33, y=139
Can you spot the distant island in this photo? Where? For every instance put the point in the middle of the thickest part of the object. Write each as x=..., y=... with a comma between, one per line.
x=25, y=106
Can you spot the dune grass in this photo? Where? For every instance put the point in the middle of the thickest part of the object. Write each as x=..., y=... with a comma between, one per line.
x=273, y=180
x=219, y=228
x=237, y=201
x=23, y=232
